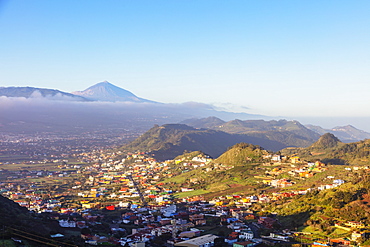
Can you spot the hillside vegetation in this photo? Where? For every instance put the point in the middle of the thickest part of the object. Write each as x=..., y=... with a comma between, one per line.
x=290, y=133
x=242, y=154
x=330, y=150
x=171, y=140
x=320, y=210
x=232, y=172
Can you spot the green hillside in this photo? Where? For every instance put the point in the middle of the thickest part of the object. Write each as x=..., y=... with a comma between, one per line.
x=330, y=150
x=326, y=141
x=171, y=140
x=242, y=154
x=233, y=172
x=319, y=211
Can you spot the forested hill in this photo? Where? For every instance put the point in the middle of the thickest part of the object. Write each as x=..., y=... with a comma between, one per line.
x=171, y=140
x=319, y=210
x=241, y=154
x=330, y=150
x=290, y=133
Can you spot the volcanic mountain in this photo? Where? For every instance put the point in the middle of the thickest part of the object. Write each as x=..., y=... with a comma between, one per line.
x=105, y=91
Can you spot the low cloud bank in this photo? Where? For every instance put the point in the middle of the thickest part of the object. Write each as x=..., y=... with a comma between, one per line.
x=54, y=113
x=63, y=112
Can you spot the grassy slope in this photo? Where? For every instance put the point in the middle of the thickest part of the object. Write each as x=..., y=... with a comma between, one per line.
x=320, y=210
x=234, y=172
x=357, y=153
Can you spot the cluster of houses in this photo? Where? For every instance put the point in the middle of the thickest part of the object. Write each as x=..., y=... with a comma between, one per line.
x=114, y=181
x=178, y=226
x=108, y=178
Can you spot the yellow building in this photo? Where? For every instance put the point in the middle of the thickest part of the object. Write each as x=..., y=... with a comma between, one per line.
x=295, y=159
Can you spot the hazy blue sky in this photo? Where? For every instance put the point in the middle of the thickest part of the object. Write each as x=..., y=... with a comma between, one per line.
x=287, y=58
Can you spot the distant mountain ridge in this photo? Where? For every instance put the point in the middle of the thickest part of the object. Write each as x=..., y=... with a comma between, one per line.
x=310, y=132
x=245, y=126
x=346, y=133
x=33, y=92
x=105, y=91
x=291, y=133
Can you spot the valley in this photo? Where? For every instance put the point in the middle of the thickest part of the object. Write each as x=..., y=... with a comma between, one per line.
x=246, y=194
x=184, y=123
x=109, y=168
